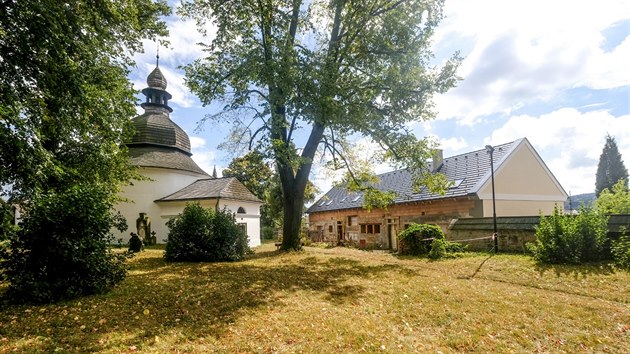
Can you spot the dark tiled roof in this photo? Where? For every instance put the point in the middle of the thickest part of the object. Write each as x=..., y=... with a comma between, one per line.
x=163, y=157
x=467, y=170
x=155, y=127
x=209, y=188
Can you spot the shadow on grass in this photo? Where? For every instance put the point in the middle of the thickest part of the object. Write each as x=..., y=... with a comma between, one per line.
x=578, y=271
x=478, y=268
x=195, y=300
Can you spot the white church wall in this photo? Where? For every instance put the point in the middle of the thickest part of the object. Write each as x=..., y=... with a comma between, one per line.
x=162, y=182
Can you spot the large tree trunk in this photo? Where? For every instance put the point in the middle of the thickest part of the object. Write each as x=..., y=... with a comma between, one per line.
x=293, y=187
x=293, y=202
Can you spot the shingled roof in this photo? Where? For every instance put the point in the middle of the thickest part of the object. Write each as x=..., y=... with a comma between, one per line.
x=467, y=171
x=156, y=128
x=163, y=157
x=212, y=188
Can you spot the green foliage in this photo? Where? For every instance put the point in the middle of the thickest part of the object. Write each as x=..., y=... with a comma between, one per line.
x=61, y=250
x=455, y=247
x=572, y=239
x=203, y=234
x=65, y=100
x=65, y=104
x=414, y=240
x=335, y=69
x=438, y=248
x=620, y=250
x=7, y=229
x=252, y=171
x=610, y=168
x=616, y=201
x=268, y=233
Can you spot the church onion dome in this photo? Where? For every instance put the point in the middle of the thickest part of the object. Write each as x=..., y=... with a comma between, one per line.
x=157, y=140
x=156, y=79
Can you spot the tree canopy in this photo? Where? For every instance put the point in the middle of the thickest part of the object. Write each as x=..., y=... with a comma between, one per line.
x=610, y=168
x=65, y=109
x=615, y=200
x=297, y=77
x=65, y=100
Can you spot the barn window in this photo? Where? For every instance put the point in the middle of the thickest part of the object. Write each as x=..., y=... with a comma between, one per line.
x=240, y=210
x=353, y=220
x=456, y=183
x=370, y=228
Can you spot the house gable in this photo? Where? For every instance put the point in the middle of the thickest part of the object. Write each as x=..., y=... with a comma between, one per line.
x=522, y=175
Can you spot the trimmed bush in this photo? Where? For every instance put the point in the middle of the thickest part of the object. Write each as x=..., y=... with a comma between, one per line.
x=415, y=239
x=571, y=239
x=61, y=249
x=204, y=235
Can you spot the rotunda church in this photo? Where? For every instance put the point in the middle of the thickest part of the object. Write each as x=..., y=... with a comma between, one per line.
x=161, y=150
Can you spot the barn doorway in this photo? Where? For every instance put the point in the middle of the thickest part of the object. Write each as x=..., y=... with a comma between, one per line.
x=339, y=232
x=392, y=234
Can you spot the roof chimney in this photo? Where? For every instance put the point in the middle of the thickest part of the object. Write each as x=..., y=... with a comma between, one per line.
x=438, y=159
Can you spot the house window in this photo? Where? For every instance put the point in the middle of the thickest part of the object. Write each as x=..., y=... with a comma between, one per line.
x=330, y=228
x=353, y=220
x=240, y=210
x=370, y=228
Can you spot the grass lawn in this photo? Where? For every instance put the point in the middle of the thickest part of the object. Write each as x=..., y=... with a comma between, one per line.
x=336, y=300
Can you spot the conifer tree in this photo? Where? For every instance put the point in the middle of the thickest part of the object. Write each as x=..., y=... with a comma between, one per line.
x=610, y=168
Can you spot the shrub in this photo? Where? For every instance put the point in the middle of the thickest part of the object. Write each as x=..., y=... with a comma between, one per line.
x=61, y=249
x=413, y=240
x=621, y=250
x=570, y=239
x=268, y=233
x=202, y=234
x=438, y=248
x=455, y=247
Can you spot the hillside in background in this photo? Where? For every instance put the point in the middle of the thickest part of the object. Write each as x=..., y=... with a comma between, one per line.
x=576, y=200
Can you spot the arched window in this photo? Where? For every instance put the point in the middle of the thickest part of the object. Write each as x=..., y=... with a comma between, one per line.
x=240, y=210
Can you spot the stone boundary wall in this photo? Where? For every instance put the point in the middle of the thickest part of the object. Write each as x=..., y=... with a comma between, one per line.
x=514, y=232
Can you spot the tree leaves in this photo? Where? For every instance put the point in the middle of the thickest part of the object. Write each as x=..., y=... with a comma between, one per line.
x=337, y=69
x=65, y=101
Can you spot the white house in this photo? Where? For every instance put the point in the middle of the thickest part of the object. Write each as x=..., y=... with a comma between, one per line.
x=161, y=150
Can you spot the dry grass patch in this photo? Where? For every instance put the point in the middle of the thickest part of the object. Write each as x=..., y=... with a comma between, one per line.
x=343, y=300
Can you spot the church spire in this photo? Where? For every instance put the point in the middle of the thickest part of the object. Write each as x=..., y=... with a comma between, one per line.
x=214, y=171
x=156, y=94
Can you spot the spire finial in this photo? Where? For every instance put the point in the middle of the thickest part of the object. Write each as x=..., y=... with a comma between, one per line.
x=157, y=56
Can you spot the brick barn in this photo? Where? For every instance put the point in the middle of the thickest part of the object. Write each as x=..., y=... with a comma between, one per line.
x=524, y=186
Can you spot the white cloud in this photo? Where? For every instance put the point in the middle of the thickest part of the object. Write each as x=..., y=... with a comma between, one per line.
x=453, y=144
x=528, y=51
x=204, y=157
x=197, y=142
x=570, y=142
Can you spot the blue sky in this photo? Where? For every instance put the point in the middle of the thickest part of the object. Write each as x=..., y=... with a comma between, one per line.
x=556, y=72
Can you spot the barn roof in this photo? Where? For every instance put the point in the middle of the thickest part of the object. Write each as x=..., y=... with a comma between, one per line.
x=468, y=172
